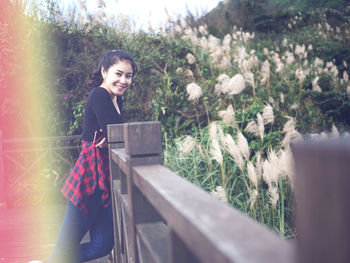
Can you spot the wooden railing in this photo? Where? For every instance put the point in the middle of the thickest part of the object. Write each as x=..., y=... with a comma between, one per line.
x=322, y=170
x=161, y=217
x=39, y=150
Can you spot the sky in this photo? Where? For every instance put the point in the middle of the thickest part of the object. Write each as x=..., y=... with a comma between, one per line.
x=145, y=12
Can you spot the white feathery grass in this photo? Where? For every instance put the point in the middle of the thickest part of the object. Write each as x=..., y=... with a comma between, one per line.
x=220, y=132
x=219, y=193
x=285, y=42
x=190, y=59
x=226, y=42
x=234, y=86
x=186, y=145
x=242, y=54
x=299, y=50
x=194, y=91
x=265, y=51
x=329, y=64
x=243, y=146
x=282, y=98
x=252, y=175
x=335, y=71
x=315, y=136
x=82, y=5
x=289, y=125
x=291, y=137
x=265, y=72
x=274, y=170
x=233, y=150
x=188, y=73
x=267, y=170
x=100, y=13
x=258, y=165
x=273, y=195
x=294, y=106
x=261, y=127
x=318, y=62
x=268, y=114
x=223, y=77
x=179, y=70
x=246, y=66
x=334, y=133
x=315, y=86
x=225, y=64
x=300, y=74
x=253, y=195
x=101, y=3
x=271, y=100
x=218, y=89
x=203, y=30
x=289, y=58
x=228, y=116
x=252, y=127
x=215, y=147
x=249, y=78
x=216, y=152
x=203, y=42
x=279, y=66
x=253, y=60
x=213, y=42
x=286, y=165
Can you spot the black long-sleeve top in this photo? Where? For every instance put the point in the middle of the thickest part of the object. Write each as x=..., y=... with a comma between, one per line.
x=100, y=111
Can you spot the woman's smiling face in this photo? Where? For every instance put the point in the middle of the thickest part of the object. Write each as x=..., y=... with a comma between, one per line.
x=117, y=78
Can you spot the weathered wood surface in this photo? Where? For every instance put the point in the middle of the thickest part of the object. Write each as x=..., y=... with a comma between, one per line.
x=214, y=231
x=29, y=233
x=322, y=196
x=167, y=219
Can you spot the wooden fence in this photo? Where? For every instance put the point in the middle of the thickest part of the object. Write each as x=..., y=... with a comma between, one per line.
x=322, y=171
x=161, y=217
x=43, y=150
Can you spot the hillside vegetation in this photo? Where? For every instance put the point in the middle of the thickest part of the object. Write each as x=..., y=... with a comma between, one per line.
x=231, y=96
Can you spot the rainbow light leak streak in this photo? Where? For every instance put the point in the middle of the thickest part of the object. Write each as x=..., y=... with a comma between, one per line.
x=24, y=83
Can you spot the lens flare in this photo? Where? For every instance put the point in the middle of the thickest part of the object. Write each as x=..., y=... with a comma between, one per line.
x=25, y=77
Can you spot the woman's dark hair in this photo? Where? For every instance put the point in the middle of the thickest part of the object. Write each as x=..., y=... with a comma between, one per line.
x=108, y=59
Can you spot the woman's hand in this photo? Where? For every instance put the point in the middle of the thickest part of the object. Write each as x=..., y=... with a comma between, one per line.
x=102, y=143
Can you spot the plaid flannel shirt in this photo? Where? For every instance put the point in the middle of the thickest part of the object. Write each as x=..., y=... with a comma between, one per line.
x=90, y=173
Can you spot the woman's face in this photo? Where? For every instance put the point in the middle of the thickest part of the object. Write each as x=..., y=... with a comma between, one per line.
x=117, y=78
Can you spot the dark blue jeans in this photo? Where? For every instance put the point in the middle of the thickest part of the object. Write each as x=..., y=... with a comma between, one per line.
x=98, y=221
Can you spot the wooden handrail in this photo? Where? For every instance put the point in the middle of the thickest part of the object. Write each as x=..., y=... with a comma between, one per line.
x=13, y=146
x=161, y=217
x=322, y=170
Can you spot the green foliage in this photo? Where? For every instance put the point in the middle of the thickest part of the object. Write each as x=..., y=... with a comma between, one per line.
x=323, y=109
x=72, y=50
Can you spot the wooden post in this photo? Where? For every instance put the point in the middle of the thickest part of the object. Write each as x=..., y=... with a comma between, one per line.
x=143, y=144
x=115, y=136
x=322, y=172
x=2, y=175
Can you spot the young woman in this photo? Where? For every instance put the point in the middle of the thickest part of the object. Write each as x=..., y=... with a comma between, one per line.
x=88, y=186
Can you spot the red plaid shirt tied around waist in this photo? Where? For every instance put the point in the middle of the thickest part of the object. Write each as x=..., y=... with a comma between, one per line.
x=90, y=173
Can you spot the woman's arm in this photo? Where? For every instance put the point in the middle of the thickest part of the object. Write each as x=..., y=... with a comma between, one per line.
x=104, y=110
